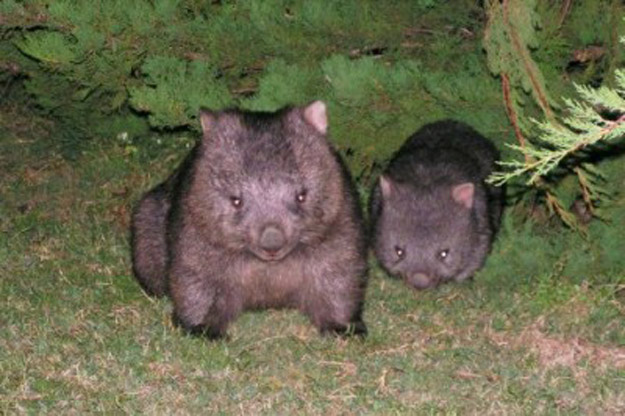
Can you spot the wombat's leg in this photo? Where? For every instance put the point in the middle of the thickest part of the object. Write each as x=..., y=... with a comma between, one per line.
x=202, y=305
x=149, y=246
x=357, y=327
x=334, y=304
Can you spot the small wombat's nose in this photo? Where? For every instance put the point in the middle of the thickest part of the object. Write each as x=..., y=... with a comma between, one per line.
x=422, y=281
x=272, y=239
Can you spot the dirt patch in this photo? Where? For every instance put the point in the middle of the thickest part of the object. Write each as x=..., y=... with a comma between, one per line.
x=556, y=351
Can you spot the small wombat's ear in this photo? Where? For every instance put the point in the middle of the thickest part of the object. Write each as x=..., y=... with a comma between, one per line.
x=315, y=114
x=207, y=120
x=463, y=194
x=386, y=186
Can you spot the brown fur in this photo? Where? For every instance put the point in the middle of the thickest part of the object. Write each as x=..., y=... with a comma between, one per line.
x=217, y=263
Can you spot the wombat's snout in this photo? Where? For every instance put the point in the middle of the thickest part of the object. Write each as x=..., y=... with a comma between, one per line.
x=272, y=239
x=422, y=281
x=272, y=243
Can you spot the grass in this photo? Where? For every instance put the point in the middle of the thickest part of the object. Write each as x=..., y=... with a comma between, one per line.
x=539, y=331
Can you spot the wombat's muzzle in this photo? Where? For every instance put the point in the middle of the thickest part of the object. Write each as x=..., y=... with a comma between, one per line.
x=272, y=239
x=272, y=243
x=422, y=281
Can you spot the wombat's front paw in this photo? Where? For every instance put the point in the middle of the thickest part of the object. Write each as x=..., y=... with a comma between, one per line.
x=464, y=278
x=199, y=330
x=358, y=328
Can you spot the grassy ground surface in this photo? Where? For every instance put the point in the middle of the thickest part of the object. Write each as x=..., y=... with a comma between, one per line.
x=539, y=331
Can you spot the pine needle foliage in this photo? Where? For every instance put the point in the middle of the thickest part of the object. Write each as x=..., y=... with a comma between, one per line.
x=511, y=32
x=599, y=115
x=385, y=68
x=109, y=68
x=562, y=141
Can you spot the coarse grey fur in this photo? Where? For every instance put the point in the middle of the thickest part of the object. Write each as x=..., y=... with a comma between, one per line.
x=433, y=216
x=260, y=215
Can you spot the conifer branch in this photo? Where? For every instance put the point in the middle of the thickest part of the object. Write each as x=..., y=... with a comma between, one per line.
x=586, y=189
x=507, y=52
x=599, y=115
x=584, y=127
x=505, y=86
x=531, y=70
x=565, y=9
x=555, y=206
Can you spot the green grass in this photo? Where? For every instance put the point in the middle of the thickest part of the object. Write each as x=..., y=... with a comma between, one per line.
x=539, y=331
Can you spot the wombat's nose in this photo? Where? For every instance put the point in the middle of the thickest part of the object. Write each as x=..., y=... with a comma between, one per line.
x=272, y=238
x=422, y=281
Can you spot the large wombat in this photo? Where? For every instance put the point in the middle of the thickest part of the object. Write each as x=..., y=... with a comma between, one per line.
x=433, y=216
x=260, y=215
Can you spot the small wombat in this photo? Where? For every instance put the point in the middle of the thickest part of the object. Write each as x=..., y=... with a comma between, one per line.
x=261, y=214
x=433, y=216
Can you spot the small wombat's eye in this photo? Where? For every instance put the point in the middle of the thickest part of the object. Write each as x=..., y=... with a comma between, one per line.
x=236, y=201
x=400, y=252
x=301, y=197
x=443, y=254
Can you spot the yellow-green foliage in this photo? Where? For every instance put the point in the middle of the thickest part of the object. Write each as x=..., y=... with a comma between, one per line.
x=101, y=68
x=163, y=60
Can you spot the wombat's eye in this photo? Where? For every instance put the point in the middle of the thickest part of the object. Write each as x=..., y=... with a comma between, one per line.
x=301, y=197
x=236, y=201
x=443, y=254
x=400, y=252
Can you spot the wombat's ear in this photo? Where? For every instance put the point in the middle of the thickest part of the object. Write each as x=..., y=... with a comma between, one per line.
x=207, y=120
x=386, y=186
x=315, y=114
x=463, y=194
